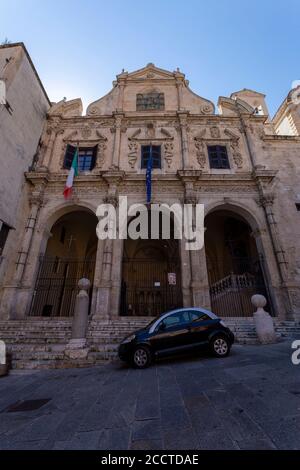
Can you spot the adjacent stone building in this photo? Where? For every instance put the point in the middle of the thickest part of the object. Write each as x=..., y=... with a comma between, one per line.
x=22, y=117
x=237, y=161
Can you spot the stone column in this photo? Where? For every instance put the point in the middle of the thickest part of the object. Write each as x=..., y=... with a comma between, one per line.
x=104, y=291
x=77, y=347
x=97, y=277
x=185, y=275
x=26, y=243
x=266, y=201
x=49, y=144
x=199, y=278
x=106, y=303
x=116, y=277
x=117, y=140
x=121, y=93
x=179, y=93
x=267, y=204
x=199, y=281
x=183, y=115
x=13, y=304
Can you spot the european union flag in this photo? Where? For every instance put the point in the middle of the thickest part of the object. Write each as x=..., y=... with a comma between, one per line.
x=149, y=176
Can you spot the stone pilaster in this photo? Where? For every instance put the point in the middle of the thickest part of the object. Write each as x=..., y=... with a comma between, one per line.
x=266, y=201
x=108, y=291
x=117, y=129
x=51, y=134
x=183, y=123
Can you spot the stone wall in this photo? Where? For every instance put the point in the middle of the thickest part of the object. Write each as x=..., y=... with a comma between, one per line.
x=262, y=184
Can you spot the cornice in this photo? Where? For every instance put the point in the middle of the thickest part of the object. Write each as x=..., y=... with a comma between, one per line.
x=281, y=138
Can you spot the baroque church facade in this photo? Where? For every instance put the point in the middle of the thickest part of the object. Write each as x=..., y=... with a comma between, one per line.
x=237, y=161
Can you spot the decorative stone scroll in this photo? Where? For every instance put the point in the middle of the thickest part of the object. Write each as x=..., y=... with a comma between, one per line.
x=235, y=149
x=133, y=153
x=200, y=148
x=168, y=152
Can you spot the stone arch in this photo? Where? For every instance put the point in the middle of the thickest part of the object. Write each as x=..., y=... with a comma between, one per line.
x=244, y=265
x=239, y=208
x=66, y=256
x=51, y=216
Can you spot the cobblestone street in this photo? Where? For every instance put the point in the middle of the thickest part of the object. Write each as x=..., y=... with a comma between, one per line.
x=250, y=400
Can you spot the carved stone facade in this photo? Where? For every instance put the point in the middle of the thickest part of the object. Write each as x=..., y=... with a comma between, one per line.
x=261, y=186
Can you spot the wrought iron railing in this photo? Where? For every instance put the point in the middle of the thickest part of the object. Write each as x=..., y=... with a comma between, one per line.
x=56, y=285
x=231, y=296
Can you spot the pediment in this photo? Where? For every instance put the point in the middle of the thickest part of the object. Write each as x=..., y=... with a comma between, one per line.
x=150, y=72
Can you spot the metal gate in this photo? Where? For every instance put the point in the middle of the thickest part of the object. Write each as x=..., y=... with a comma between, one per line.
x=150, y=287
x=57, y=285
x=231, y=296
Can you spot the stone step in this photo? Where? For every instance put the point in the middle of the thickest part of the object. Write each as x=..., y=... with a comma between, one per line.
x=41, y=344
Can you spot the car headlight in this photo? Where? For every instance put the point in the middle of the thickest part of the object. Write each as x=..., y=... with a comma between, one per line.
x=223, y=324
x=128, y=339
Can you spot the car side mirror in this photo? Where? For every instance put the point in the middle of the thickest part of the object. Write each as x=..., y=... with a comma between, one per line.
x=161, y=326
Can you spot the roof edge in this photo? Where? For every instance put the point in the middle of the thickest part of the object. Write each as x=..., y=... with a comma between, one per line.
x=21, y=44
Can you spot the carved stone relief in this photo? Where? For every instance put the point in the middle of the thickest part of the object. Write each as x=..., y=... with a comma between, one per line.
x=133, y=153
x=168, y=152
x=215, y=132
x=200, y=148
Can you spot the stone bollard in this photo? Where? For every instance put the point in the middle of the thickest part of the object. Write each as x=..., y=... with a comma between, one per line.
x=263, y=321
x=77, y=346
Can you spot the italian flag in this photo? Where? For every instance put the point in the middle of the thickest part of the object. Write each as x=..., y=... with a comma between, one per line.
x=73, y=172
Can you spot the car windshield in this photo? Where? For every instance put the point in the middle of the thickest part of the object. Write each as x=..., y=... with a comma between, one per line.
x=212, y=315
x=157, y=318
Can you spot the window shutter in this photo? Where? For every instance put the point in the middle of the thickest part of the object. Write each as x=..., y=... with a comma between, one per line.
x=145, y=155
x=94, y=157
x=69, y=155
x=156, y=155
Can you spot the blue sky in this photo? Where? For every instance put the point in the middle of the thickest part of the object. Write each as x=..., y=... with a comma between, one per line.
x=222, y=46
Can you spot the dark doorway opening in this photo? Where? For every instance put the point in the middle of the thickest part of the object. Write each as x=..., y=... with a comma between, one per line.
x=70, y=255
x=151, y=275
x=236, y=270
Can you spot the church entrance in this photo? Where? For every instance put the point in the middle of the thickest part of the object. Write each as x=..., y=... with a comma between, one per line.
x=69, y=256
x=151, y=277
x=235, y=268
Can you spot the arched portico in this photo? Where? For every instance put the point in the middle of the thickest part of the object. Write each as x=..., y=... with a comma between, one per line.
x=151, y=269
x=236, y=262
x=69, y=255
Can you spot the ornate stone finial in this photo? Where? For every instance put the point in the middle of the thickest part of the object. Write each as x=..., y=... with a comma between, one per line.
x=84, y=284
x=259, y=301
x=263, y=322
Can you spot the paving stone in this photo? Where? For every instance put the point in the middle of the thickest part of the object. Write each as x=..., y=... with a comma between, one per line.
x=180, y=438
x=114, y=439
x=217, y=440
x=147, y=444
x=174, y=416
x=250, y=400
x=146, y=429
x=256, y=444
x=84, y=441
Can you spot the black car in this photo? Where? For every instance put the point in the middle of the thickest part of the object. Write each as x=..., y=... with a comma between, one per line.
x=180, y=330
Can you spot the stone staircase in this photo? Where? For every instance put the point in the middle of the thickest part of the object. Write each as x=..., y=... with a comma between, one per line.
x=39, y=343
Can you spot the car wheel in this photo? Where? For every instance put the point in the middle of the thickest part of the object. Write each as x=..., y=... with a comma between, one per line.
x=220, y=346
x=141, y=357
